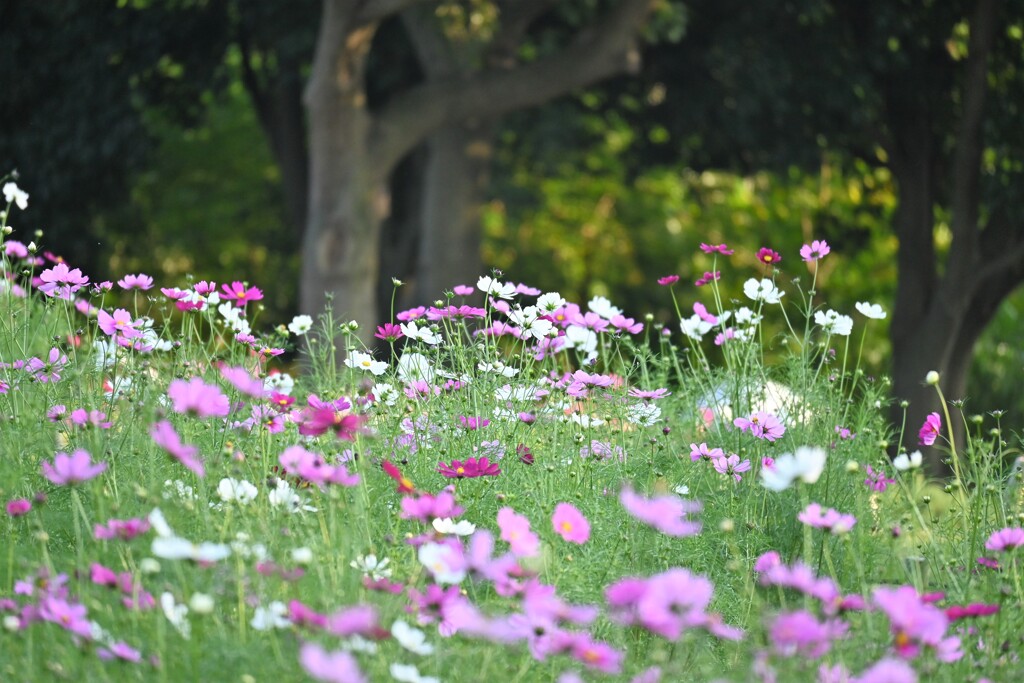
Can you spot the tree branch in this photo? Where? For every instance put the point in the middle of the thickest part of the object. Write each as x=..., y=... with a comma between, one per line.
x=964, y=250
x=371, y=11
x=599, y=51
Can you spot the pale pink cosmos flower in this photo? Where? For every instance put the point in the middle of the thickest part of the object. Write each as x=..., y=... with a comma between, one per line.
x=140, y=281
x=667, y=514
x=1005, y=539
x=930, y=429
x=816, y=250
x=119, y=324
x=570, y=524
x=515, y=530
x=731, y=466
x=72, y=469
x=702, y=452
x=240, y=379
x=198, y=398
x=762, y=425
x=800, y=634
x=332, y=667
x=916, y=623
x=702, y=313
x=830, y=520
x=163, y=435
x=62, y=282
x=887, y=671
x=47, y=371
x=69, y=616
x=122, y=529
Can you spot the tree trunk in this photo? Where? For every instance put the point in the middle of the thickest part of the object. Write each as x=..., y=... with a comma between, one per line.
x=456, y=176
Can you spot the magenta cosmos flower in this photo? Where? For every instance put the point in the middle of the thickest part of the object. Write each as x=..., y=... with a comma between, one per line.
x=198, y=398
x=768, y=256
x=72, y=469
x=469, y=469
x=667, y=514
x=1005, y=539
x=708, y=276
x=722, y=249
x=930, y=429
x=18, y=507
x=240, y=293
x=668, y=280
x=814, y=251
x=570, y=524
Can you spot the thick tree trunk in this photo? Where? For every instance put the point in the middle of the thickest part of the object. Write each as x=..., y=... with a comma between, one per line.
x=456, y=176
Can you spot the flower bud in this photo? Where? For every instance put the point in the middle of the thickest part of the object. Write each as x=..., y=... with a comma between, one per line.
x=932, y=378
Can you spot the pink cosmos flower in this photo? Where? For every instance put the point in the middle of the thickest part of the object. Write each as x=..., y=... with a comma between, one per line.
x=240, y=293
x=297, y=461
x=47, y=371
x=877, y=480
x=120, y=650
x=768, y=256
x=118, y=325
x=240, y=379
x=930, y=429
x=916, y=623
x=1005, y=539
x=667, y=604
x=762, y=425
x=427, y=507
x=198, y=398
x=140, y=281
x=333, y=667
x=975, y=609
x=668, y=280
x=800, y=634
x=722, y=249
x=94, y=418
x=731, y=466
x=620, y=322
x=667, y=514
x=816, y=250
x=69, y=616
x=163, y=435
x=570, y=524
x=887, y=671
x=18, y=507
x=702, y=452
x=61, y=282
x=72, y=469
x=708, y=276
x=830, y=520
x=411, y=314
x=515, y=530
x=702, y=313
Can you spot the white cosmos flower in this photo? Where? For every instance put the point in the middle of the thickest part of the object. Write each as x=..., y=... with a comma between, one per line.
x=236, y=490
x=550, y=302
x=370, y=566
x=806, y=464
x=498, y=367
x=408, y=673
x=176, y=614
x=582, y=339
x=643, y=414
x=283, y=495
x=12, y=193
x=694, y=327
x=834, y=322
x=412, y=639
x=868, y=310
x=281, y=382
x=415, y=366
x=385, y=393
x=502, y=290
x=423, y=334
x=364, y=361
x=445, y=563
x=270, y=617
x=762, y=290
x=603, y=307
x=446, y=525
x=106, y=353
x=904, y=462
x=300, y=325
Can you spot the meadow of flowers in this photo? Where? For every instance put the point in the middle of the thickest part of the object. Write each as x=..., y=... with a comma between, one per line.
x=513, y=487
